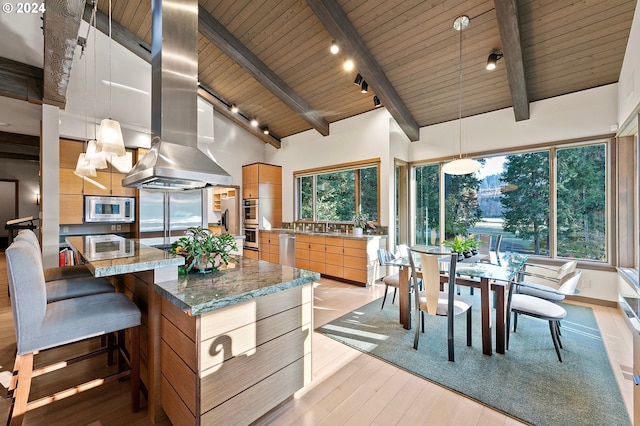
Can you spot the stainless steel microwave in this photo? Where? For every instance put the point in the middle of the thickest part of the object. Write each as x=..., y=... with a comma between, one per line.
x=109, y=209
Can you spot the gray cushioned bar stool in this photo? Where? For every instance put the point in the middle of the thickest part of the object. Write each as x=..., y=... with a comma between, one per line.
x=76, y=283
x=40, y=325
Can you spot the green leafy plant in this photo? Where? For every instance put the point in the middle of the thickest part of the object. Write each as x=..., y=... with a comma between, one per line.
x=471, y=243
x=203, y=250
x=457, y=245
x=360, y=220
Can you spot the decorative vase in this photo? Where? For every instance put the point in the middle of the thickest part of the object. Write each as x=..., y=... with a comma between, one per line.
x=357, y=232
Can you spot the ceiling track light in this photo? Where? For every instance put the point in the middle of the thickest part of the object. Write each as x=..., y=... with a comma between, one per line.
x=376, y=101
x=493, y=58
x=348, y=65
x=334, y=47
x=358, y=80
x=265, y=130
x=364, y=88
x=254, y=122
x=234, y=108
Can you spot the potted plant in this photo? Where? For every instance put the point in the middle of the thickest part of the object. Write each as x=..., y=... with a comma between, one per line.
x=472, y=244
x=203, y=250
x=457, y=245
x=359, y=223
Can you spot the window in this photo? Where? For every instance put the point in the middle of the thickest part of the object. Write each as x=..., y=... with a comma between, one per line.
x=427, y=204
x=335, y=194
x=511, y=195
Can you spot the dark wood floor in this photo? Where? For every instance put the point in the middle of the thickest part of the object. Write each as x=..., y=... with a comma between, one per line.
x=348, y=387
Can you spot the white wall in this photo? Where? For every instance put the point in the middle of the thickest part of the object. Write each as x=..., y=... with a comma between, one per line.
x=358, y=138
x=581, y=114
x=629, y=81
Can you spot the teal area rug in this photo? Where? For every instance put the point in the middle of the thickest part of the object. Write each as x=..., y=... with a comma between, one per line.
x=527, y=382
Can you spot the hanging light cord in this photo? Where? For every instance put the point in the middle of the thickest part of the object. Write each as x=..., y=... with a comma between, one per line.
x=460, y=91
x=95, y=72
x=110, y=81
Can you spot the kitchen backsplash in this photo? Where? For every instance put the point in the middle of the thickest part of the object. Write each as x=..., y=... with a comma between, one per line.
x=331, y=227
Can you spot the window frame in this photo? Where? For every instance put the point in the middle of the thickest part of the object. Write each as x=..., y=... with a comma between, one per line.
x=610, y=226
x=351, y=166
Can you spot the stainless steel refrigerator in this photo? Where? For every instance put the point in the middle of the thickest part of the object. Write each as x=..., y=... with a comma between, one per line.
x=230, y=220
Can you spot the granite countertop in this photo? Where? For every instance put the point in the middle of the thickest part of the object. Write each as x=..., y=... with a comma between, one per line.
x=348, y=235
x=244, y=279
x=110, y=254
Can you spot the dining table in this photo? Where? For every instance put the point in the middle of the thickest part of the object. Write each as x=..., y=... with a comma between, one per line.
x=474, y=272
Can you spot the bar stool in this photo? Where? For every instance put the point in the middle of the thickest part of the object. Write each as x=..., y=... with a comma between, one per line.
x=75, y=283
x=40, y=325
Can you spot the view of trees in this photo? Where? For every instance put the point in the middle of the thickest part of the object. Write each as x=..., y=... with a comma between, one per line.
x=515, y=201
x=335, y=195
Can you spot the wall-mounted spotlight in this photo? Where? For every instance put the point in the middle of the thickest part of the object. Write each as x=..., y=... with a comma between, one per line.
x=358, y=80
x=254, y=122
x=234, y=108
x=494, y=57
x=348, y=65
x=265, y=130
x=37, y=198
x=334, y=47
x=376, y=101
x=364, y=88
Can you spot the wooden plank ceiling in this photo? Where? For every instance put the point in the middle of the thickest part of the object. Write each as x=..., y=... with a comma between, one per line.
x=566, y=46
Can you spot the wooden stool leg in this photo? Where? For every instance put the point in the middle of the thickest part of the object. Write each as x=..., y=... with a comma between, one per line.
x=14, y=378
x=111, y=347
x=18, y=406
x=134, y=361
x=121, y=351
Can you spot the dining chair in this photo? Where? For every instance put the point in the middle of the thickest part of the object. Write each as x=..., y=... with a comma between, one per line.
x=524, y=304
x=392, y=280
x=40, y=325
x=433, y=301
x=69, y=287
x=557, y=276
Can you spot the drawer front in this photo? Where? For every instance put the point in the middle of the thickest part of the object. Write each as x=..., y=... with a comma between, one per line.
x=358, y=244
x=334, y=249
x=302, y=253
x=355, y=275
x=302, y=263
x=334, y=259
x=333, y=270
x=317, y=239
x=316, y=266
x=355, y=252
x=331, y=241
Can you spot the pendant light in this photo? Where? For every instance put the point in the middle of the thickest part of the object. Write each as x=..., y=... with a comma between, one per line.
x=83, y=165
x=110, y=134
x=95, y=154
x=461, y=166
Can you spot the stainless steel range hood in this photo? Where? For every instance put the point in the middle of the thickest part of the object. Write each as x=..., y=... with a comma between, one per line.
x=174, y=161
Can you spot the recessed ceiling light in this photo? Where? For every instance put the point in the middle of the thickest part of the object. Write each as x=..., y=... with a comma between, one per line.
x=348, y=65
x=334, y=47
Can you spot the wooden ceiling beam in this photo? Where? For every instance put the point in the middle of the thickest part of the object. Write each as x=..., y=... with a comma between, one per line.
x=119, y=33
x=19, y=147
x=141, y=49
x=217, y=34
x=21, y=81
x=61, y=25
x=342, y=30
x=509, y=28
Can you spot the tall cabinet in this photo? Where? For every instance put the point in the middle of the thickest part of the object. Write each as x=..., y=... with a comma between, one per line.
x=264, y=182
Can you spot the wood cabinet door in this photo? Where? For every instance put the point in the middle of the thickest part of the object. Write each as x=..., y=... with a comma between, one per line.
x=71, y=209
x=269, y=174
x=250, y=190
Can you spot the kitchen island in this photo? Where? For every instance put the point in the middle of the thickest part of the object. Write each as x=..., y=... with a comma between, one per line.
x=217, y=348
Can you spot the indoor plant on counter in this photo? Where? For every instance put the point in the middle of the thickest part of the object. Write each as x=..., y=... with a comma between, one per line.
x=359, y=223
x=203, y=250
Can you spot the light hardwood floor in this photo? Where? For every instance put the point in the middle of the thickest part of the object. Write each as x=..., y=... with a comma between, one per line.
x=348, y=387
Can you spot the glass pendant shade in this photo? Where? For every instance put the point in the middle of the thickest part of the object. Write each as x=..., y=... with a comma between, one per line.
x=461, y=166
x=95, y=155
x=84, y=167
x=110, y=136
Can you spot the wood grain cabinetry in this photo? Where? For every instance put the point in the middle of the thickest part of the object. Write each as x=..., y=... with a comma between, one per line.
x=220, y=193
x=231, y=366
x=347, y=258
x=302, y=252
x=72, y=188
x=269, y=246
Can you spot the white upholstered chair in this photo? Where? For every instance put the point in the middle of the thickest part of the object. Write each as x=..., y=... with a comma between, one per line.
x=556, y=276
x=392, y=280
x=435, y=302
x=524, y=304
